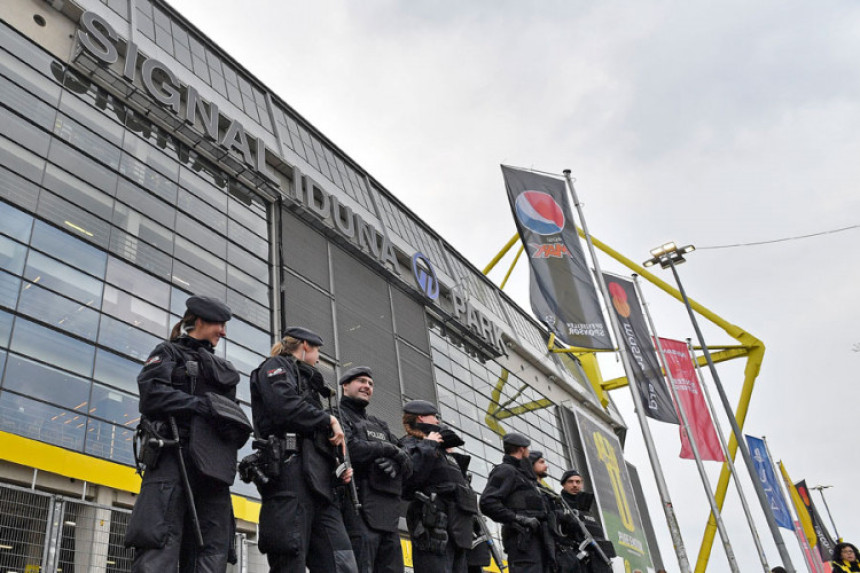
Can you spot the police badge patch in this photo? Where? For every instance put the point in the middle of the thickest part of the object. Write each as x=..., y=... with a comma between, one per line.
x=153, y=360
x=275, y=372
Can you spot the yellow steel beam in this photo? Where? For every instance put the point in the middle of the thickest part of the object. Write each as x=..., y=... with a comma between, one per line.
x=721, y=356
x=501, y=254
x=510, y=270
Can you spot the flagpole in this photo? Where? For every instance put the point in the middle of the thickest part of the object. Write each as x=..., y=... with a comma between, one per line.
x=721, y=527
x=729, y=461
x=802, y=540
x=668, y=508
x=821, y=489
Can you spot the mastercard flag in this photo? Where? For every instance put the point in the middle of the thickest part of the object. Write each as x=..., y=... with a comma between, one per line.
x=652, y=388
x=563, y=295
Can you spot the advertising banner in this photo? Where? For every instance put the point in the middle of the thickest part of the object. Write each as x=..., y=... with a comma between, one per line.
x=562, y=290
x=692, y=399
x=614, y=493
x=770, y=485
x=825, y=543
x=656, y=398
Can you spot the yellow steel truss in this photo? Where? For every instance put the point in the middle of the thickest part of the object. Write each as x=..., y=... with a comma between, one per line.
x=750, y=347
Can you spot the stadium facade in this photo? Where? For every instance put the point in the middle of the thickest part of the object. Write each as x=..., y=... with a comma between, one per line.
x=139, y=163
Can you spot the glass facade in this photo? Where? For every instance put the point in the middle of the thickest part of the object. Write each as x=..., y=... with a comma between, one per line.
x=109, y=224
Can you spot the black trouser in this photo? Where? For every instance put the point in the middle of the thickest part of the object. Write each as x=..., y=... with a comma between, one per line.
x=525, y=551
x=161, y=530
x=299, y=529
x=375, y=551
x=455, y=560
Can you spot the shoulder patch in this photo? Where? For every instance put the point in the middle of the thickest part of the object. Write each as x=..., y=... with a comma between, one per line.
x=275, y=372
x=153, y=360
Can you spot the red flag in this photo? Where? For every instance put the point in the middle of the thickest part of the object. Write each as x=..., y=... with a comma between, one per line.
x=690, y=394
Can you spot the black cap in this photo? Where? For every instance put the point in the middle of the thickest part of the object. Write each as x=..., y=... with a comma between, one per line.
x=567, y=475
x=301, y=333
x=352, y=373
x=515, y=439
x=208, y=308
x=420, y=408
x=535, y=455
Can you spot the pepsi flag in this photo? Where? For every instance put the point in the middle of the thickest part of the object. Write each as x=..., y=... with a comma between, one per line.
x=764, y=472
x=825, y=543
x=562, y=290
x=655, y=394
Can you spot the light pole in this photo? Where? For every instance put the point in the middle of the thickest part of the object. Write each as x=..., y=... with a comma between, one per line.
x=668, y=256
x=821, y=489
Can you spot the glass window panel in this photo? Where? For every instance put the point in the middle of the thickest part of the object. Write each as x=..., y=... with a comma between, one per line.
x=202, y=211
x=53, y=347
x=188, y=252
x=58, y=311
x=110, y=442
x=252, y=265
x=140, y=253
x=31, y=419
x=151, y=156
x=16, y=223
x=24, y=104
x=203, y=189
x=67, y=129
x=52, y=274
x=9, y=287
x=244, y=360
x=75, y=252
x=113, y=405
x=117, y=370
x=126, y=339
x=252, y=310
x=46, y=383
x=73, y=106
x=148, y=178
x=250, y=241
x=142, y=227
x=201, y=235
x=30, y=79
x=5, y=328
x=189, y=278
x=21, y=161
x=134, y=311
x=247, y=285
x=12, y=255
x=138, y=282
x=251, y=216
x=83, y=167
x=24, y=133
x=248, y=336
x=143, y=202
x=72, y=218
x=177, y=301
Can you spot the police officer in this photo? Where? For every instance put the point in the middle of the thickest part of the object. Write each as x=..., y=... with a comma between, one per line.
x=300, y=523
x=442, y=505
x=582, y=501
x=512, y=498
x=380, y=467
x=183, y=390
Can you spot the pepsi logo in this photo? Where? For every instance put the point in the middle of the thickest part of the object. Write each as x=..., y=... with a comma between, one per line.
x=539, y=213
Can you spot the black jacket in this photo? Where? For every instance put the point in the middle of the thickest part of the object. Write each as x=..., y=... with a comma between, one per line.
x=512, y=489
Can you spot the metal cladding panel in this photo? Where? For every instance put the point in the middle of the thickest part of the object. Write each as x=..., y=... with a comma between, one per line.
x=411, y=320
x=417, y=372
x=306, y=306
x=304, y=250
x=365, y=331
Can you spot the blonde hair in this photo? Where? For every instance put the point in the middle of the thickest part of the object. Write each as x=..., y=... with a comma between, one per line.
x=286, y=345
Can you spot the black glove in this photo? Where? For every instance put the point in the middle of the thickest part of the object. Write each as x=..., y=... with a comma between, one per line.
x=388, y=450
x=450, y=439
x=404, y=460
x=531, y=523
x=388, y=466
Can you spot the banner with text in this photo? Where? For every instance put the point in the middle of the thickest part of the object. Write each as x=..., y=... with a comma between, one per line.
x=562, y=291
x=770, y=485
x=656, y=398
x=825, y=543
x=614, y=493
x=692, y=399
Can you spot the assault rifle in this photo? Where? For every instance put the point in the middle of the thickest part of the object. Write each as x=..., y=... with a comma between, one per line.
x=486, y=537
x=588, y=541
x=328, y=392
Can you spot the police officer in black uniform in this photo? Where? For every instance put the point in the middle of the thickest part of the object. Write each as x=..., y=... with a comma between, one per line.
x=300, y=522
x=183, y=390
x=442, y=505
x=581, y=502
x=512, y=498
x=380, y=466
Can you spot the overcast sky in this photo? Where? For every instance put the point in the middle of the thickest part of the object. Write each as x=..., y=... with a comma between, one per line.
x=707, y=123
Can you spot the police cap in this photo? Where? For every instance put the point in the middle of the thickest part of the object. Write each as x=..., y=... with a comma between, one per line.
x=567, y=475
x=208, y=308
x=515, y=439
x=301, y=333
x=420, y=408
x=353, y=373
x=535, y=455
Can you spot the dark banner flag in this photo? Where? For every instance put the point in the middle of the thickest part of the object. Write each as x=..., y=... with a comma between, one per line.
x=825, y=543
x=769, y=484
x=690, y=395
x=653, y=389
x=562, y=294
